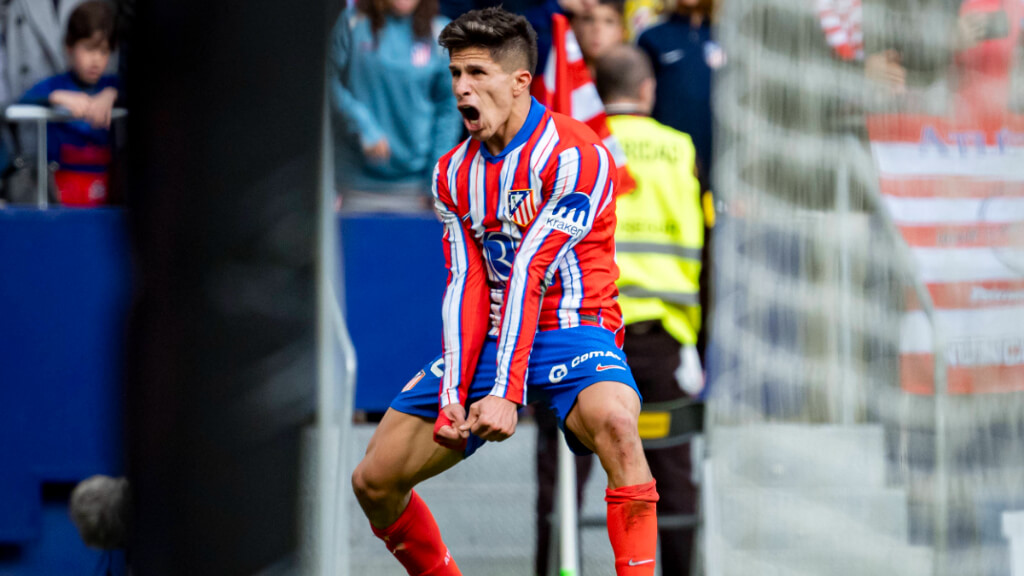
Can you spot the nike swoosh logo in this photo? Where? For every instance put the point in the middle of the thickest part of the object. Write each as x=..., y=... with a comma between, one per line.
x=640, y=563
x=603, y=367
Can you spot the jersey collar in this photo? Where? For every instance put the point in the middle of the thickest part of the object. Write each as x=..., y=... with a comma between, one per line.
x=531, y=123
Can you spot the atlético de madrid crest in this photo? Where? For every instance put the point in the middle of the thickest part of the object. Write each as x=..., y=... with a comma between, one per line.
x=522, y=206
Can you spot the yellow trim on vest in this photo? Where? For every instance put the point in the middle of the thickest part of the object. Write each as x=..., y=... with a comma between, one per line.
x=653, y=425
x=709, y=209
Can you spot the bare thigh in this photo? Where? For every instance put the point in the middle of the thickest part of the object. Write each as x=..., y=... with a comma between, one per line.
x=401, y=454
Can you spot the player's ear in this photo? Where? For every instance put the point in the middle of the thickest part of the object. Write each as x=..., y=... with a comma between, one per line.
x=521, y=82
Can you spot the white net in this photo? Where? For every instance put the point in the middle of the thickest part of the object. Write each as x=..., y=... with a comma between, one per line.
x=867, y=408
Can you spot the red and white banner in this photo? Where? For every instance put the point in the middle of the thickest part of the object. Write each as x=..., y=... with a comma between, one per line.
x=955, y=190
x=567, y=88
x=954, y=186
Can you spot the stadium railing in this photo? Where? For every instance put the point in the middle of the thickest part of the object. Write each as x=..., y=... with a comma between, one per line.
x=41, y=116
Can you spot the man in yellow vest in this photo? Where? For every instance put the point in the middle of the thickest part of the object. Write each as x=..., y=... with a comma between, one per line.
x=659, y=246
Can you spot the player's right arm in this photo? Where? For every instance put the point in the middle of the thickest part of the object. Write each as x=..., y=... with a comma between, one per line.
x=466, y=308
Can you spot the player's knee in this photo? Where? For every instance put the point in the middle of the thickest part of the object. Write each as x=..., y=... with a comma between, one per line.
x=617, y=433
x=368, y=489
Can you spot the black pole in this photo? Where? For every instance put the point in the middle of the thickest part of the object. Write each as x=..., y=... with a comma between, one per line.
x=224, y=133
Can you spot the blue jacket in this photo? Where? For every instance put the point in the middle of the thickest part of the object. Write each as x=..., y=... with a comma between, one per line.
x=396, y=87
x=73, y=145
x=684, y=58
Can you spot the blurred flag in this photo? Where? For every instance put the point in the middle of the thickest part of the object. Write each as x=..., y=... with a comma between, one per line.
x=568, y=89
x=841, y=20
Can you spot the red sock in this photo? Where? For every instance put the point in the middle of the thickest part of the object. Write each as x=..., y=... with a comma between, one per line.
x=415, y=540
x=633, y=528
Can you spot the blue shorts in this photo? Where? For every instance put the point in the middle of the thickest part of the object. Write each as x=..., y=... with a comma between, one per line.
x=562, y=363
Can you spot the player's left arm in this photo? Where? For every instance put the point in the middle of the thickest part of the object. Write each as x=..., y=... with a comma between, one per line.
x=580, y=188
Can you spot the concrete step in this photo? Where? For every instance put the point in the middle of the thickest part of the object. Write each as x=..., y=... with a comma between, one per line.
x=773, y=519
x=887, y=561
x=801, y=456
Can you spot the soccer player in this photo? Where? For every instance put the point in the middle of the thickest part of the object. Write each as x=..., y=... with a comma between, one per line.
x=528, y=206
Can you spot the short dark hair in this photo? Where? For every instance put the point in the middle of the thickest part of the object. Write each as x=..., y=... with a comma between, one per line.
x=88, y=19
x=504, y=34
x=620, y=72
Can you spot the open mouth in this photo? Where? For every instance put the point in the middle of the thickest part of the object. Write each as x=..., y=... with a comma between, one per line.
x=471, y=116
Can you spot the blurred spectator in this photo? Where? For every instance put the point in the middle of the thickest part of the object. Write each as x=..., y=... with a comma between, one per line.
x=929, y=52
x=33, y=32
x=684, y=56
x=547, y=479
x=82, y=149
x=393, y=106
x=598, y=29
x=659, y=249
x=909, y=43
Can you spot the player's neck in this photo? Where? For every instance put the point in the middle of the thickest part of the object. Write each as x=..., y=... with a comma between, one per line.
x=520, y=110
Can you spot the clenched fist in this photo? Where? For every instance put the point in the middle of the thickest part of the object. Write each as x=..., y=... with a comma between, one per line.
x=492, y=418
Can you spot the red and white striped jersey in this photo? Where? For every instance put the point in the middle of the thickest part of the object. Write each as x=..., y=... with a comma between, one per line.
x=529, y=245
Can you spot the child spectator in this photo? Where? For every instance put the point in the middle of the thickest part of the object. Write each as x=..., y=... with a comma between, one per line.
x=598, y=29
x=33, y=36
x=82, y=148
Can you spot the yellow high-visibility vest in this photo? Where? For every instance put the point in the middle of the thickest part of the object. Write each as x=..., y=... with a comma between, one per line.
x=660, y=233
